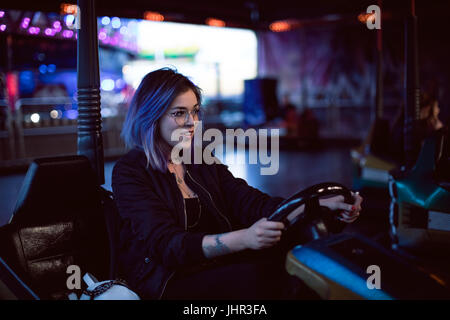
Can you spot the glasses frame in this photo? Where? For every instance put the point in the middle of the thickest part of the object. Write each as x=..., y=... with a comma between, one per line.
x=186, y=117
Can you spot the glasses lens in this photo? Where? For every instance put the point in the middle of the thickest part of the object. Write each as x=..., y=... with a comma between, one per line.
x=181, y=120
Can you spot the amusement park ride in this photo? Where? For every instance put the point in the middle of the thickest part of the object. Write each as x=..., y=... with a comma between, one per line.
x=47, y=233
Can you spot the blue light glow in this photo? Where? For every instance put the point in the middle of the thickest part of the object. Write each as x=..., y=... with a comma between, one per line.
x=106, y=21
x=71, y=114
x=43, y=68
x=115, y=22
x=69, y=19
x=51, y=68
x=107, y=84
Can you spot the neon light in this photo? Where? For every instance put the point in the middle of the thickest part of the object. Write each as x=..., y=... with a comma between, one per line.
x=123, y=30
x=107, y=84
x=42, y=68
x=153, y=16
x=106, y=21
x=67, y=33
x=25, y=23
x=280, y=26
x=34, y=30
x=115, y=22
x=35, y=117
x=2, y=13
x=102, y=36
x=3, y=27
x=69, y=19
x=215, y=22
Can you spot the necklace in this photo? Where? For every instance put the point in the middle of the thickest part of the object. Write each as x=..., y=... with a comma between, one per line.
x=182, y=185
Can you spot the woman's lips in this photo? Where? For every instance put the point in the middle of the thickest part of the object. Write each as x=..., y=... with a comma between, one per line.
x=188, y=134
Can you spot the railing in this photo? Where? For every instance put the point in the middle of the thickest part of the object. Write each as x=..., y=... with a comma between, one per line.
x=45, y=127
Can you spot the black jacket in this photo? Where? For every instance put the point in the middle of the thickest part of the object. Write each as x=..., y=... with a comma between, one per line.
x=154, y=242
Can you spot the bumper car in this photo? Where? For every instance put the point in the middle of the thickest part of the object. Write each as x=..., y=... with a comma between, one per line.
x=337, y=265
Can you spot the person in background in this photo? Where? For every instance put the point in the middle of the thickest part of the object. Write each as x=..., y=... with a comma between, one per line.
x=429, y=123
x=288, y=113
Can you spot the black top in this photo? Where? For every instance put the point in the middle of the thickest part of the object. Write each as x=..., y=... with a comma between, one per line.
x=199, y=218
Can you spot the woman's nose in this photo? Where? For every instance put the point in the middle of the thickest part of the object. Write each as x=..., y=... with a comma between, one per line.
x=190, y=120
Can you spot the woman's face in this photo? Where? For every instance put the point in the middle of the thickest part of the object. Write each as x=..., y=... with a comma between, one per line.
x=184, y=104
x=436, y=109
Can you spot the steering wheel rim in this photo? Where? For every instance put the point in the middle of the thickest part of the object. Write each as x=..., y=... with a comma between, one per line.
x=310, y=197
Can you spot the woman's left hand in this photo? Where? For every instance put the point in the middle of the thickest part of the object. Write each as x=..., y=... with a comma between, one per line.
x=349, y=212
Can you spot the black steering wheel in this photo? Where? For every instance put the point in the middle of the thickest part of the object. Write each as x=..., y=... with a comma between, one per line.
x=316, y=221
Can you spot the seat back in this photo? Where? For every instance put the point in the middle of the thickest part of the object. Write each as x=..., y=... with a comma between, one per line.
x=58, y=221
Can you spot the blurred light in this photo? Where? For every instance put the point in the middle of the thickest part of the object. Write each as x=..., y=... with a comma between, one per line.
x=54, y=114
x=68, y=8
x=34, y=30
x=3, y=27
x=35, y=117
x=2, y=13
x=123, y=30
x=107, y=84
x=102, y=35
x=280, y=26
x=120, y=84
x=25, y=23
x=215, y=22
x=69, y=19
x=42, y=68
x=71, y=114
x=56, y=24
x=364, y=17
x=153, y=16
x=106, y=21
x=51, y=68
x=132, y=24
x=114, y=41
x=115, y=22
x=67, y=33
x=50, y=32
x=105, y=112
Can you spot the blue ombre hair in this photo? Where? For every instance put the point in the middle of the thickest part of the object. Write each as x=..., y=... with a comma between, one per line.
x=152, y=98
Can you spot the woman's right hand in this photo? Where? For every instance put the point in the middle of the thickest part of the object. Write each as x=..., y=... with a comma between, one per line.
x=263, y=234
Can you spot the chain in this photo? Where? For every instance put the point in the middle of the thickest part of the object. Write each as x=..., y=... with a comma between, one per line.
x=181, y=184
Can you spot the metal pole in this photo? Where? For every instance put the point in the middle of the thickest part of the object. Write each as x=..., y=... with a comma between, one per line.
x=379, y=89
x=412, y=89
x=89, y=118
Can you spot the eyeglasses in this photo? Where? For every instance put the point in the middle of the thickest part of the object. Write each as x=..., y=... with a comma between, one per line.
x=182, y=116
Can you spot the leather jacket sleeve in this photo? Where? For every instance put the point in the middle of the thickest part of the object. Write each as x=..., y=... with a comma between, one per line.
x=248, y=204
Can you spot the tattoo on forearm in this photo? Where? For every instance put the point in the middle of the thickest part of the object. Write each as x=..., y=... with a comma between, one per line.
x=217, y=249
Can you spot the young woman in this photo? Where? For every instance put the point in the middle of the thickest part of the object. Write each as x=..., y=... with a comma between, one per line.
x=192, y=231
